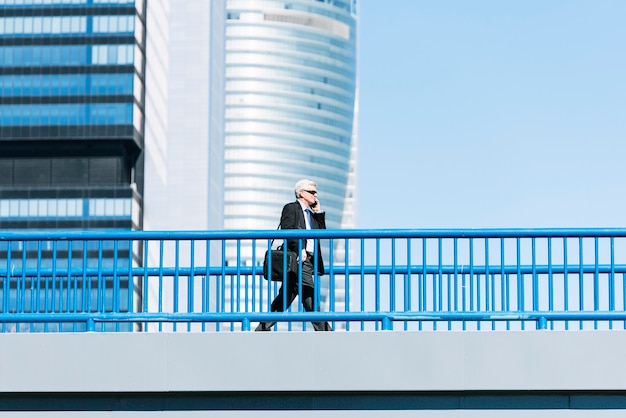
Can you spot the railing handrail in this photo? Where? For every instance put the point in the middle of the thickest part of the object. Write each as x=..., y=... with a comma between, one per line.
x=400, y=268
x=315, y=233
x=385, y=318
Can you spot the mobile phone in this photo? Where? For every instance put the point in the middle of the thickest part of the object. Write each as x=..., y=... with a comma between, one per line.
x=314, y=204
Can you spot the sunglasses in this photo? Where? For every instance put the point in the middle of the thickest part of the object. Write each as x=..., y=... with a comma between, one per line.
x=313, y=192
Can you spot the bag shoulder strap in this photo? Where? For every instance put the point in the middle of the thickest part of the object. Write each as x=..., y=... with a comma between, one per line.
x=279, y=227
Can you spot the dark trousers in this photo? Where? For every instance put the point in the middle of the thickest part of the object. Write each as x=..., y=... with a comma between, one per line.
x=307, y=298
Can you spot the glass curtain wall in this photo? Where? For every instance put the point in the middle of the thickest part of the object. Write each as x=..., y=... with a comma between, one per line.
x=290, y=100
x=71, y=127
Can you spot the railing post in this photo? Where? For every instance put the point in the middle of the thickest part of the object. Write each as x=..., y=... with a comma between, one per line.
x=542, y=323
x=245, y=324
x=387, y=324
x=91, y=325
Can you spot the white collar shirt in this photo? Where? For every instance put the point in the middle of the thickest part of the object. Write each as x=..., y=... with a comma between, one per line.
x=307, y=220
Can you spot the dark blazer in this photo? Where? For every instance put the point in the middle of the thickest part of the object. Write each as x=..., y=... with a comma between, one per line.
x=293, y=218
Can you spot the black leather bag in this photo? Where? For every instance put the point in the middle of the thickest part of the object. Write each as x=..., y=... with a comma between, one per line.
x=278, y=264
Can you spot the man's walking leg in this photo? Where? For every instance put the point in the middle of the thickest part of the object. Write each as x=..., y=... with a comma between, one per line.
x=278, y=305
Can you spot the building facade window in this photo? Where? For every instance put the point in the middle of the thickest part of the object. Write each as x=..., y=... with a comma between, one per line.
x=72, y=124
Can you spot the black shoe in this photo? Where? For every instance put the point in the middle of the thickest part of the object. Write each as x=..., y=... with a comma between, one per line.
x=321, y=326
x=262, y=327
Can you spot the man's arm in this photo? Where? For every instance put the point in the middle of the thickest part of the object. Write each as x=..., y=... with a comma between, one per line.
x=288, y=218
x=320, y=219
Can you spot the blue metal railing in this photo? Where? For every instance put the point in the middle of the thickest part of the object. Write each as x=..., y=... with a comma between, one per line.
x=194, y=281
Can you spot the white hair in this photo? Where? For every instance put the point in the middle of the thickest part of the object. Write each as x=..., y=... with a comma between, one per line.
x=303, y=185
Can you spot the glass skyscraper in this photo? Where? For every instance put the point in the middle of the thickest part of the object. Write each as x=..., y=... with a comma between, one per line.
x=111, y=117
x=184, y=115
x=184, y=131
x=71, y=113
x=72, y=125
x=291, y=87
x=290, y=108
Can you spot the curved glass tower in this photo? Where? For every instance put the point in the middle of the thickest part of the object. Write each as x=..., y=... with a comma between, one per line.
x=290, y=107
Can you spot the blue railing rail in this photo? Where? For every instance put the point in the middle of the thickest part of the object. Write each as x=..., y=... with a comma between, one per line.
x=439, y=279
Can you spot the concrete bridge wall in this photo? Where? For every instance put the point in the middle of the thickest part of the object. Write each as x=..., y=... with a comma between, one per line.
x=307, y=374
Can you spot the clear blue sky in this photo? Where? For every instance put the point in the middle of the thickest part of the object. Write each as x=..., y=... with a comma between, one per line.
x=492, y=113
